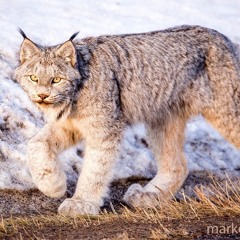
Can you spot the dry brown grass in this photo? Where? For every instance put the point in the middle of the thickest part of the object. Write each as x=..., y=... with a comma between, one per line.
x=217, y=200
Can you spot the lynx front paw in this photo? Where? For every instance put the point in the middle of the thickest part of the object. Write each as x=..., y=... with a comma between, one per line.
x=52, y=184
x=74, y=207
x=137, y=196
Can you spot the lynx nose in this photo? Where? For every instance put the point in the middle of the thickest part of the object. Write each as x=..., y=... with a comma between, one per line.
x=43, y=96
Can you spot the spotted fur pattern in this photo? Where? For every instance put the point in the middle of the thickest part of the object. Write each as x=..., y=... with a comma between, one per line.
x=160, y=78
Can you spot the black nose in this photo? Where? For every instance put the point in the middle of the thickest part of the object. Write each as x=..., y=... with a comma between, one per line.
x=43, y=96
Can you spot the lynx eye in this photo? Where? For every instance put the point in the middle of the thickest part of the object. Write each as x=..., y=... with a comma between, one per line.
x=56, y=80
x=33, y=78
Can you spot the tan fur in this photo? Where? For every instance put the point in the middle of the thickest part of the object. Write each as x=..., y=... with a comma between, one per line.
x=159, y=78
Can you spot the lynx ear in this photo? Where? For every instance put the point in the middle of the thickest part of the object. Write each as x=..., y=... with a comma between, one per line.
x=28, y=50
x=67, y=51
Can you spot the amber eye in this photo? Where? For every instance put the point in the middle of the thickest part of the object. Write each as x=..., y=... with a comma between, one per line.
x=56, y=80
x=33, y=78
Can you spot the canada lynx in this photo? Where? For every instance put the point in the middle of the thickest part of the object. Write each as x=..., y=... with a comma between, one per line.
x=91, y=89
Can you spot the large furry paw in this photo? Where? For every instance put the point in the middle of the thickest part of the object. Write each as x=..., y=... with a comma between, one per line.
x=138, y=197
x=52, y=184
x=74, y=207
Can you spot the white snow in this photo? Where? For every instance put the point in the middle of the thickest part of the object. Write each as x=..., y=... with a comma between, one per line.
x=52, y=22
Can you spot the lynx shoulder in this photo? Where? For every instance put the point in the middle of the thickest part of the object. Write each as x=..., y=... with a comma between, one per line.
x=90, y=89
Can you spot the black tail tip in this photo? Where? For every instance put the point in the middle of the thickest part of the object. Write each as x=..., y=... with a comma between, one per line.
x=73, y=36
x=22, y=33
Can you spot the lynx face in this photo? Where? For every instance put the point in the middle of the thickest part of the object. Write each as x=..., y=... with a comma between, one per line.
x=48, y=75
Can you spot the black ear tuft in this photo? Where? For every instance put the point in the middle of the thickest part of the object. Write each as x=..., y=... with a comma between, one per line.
x=22, y=33
x=73, y=36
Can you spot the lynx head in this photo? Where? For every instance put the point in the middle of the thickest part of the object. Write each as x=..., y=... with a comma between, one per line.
x=49, y=75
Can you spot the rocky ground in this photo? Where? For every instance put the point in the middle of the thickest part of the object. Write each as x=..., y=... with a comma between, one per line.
x=31, y=215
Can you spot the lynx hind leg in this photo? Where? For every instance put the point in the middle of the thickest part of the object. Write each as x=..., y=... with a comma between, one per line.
x=223, y=111
x=224, y=114
x=167, y=146
x=226, y=119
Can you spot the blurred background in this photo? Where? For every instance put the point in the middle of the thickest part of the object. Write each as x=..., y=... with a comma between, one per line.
x=51, y=22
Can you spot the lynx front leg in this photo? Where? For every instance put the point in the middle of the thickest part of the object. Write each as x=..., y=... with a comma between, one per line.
x=167, y=146
x=42, y=158
x=100, y=155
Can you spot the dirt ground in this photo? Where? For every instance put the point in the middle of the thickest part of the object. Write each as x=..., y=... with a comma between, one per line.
x=119, y=229
x=17, y=205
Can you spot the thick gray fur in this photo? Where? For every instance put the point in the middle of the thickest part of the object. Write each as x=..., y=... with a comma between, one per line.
x=160, y=78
